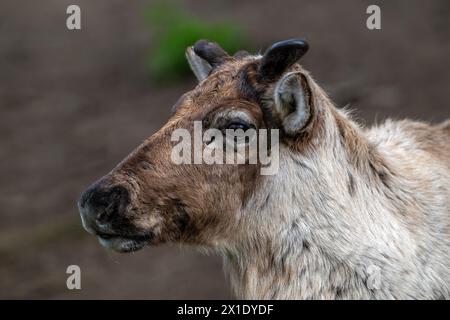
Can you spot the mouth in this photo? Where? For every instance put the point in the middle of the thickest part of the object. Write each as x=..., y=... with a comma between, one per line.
x=124, y=244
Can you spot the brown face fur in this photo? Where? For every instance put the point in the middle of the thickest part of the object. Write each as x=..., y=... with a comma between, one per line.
x=195, y=203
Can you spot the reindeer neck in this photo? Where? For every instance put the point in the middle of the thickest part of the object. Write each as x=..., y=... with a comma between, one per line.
x=298, y=242
x=290, y=270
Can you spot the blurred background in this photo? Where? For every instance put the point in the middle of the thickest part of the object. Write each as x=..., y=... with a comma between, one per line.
x=74, y=103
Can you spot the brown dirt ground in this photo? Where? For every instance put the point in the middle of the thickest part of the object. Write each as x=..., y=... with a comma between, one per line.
x=72, y=104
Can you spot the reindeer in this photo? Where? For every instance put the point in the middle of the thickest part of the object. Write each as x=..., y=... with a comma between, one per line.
x=352, y=213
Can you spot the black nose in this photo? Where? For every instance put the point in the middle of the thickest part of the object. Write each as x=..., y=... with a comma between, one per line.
x=99, y=205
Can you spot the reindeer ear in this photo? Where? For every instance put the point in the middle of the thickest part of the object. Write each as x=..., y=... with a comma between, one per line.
x=292, y=97
x=199, y=66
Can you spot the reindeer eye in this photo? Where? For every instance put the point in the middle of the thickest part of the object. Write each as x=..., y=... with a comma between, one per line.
x=239, y=125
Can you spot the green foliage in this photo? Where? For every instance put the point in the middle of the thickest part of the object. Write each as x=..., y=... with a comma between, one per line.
x=175, y=30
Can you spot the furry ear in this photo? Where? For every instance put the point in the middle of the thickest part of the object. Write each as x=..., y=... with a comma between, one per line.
x=199, y=66
x=292, y=97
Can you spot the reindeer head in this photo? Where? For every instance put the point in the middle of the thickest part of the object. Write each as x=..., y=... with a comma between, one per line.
x=149, y=199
